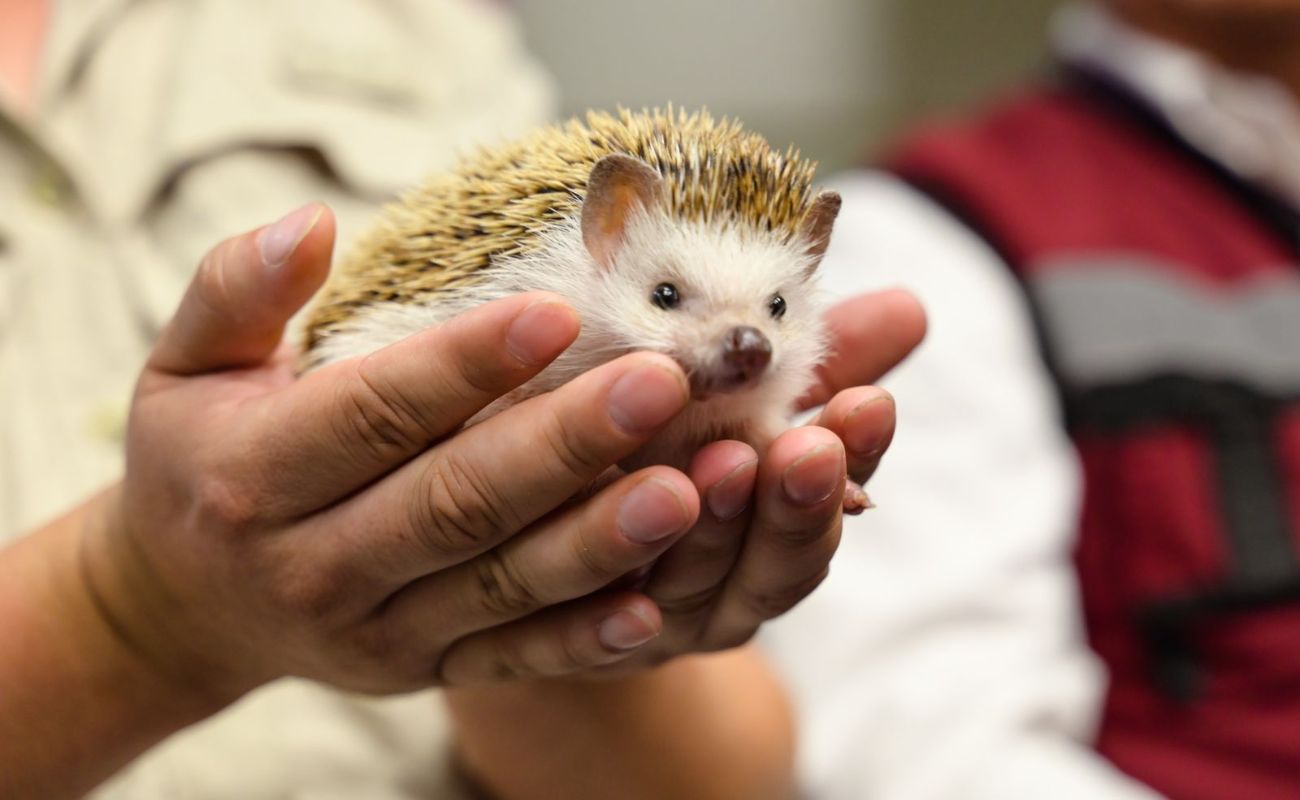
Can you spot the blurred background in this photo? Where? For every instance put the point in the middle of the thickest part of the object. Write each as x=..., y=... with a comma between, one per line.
x=833, y=76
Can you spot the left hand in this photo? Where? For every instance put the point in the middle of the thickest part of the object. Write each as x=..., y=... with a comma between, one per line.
x=768, y=528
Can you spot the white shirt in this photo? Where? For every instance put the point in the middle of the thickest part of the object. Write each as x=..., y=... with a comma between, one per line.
x=944, y=656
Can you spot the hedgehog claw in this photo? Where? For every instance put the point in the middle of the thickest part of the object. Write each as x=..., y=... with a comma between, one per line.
x=856, y=500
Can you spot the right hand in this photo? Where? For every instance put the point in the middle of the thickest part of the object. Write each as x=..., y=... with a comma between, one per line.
x=337, y=526
x=772, y=524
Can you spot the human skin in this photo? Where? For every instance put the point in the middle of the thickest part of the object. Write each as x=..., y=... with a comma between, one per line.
x=707, y=726
x=22, y=38
x=334, y=528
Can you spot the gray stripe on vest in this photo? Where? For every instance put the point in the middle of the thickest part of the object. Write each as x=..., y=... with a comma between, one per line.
x=1113, y=319
x=1141, y=333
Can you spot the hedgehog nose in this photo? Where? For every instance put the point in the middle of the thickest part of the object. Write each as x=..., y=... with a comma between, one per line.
x=746, y=353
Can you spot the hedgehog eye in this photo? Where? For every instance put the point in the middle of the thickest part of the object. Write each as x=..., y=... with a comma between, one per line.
x=666, y=296
x=776, y=306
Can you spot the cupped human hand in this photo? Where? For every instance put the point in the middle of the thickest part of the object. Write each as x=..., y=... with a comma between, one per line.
x=342, y=527
x=769, y=526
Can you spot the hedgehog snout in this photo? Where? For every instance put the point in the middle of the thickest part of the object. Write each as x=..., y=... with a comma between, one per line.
x=746, y=352
x=742, y=357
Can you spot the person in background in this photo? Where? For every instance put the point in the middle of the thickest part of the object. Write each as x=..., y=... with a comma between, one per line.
x=332, y=528
x=1095, y=592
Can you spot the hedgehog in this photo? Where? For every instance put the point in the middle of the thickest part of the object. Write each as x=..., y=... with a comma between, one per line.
x=667, y=231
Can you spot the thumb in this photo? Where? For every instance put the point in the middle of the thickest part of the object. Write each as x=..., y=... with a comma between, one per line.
x=234, y=312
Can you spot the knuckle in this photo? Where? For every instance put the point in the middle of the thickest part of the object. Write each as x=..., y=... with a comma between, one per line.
x=460, y=510
x=381, y=422
x=508, y=662
x=314, y=597
x=691, y=604
x=596, y=561
x=512, y=659
x=802, y=534
x=770, y=604
x=713, y=549
x=211, y=283
x=571, y=449
x=225, y=502
x=775, y=601
x=475, y=378
x=571, y=656
x=503, y=590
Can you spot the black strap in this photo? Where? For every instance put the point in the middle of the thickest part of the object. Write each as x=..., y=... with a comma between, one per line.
x=1263, y=567
x=1239, y=423
x=1169, y=628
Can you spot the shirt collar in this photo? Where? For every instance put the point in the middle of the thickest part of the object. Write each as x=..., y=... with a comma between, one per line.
x=1248, y=123
x=75, y=25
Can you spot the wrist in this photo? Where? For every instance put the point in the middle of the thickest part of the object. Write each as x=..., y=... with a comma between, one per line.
x=147, y=620
x=77, y=702
x=714, y=725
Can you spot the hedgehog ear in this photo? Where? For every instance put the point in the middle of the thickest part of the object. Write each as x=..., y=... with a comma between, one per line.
x=618, y=185
x=815, y=229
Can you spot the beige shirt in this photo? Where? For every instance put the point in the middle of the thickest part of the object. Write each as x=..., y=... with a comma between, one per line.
x=163, y=126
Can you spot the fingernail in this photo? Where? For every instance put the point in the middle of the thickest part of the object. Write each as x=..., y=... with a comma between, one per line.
x=729, y=497
x=646, y=398
x=651, y=512
x=815, y=476
x=541, y=331
x=626, y=630
x=865, y=441
x=278, y=241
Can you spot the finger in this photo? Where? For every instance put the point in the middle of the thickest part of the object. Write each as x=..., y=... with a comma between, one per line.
x=485, y=484
x=870, y=334
x=341, y=427
x=559, y=641
x=573, y=553
x=792, y=537
x=234, y=312
x=863, y=418
x=688, y=578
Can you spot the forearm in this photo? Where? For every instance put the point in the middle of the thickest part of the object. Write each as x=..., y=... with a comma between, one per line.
x=76, y=702
x=715, y=726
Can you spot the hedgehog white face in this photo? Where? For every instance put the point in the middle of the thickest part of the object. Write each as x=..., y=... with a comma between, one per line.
x=735, y=307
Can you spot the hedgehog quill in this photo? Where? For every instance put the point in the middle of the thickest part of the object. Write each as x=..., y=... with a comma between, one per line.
x=669, y=232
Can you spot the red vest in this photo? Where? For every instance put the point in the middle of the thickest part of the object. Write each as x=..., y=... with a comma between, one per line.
x=1167, y=297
